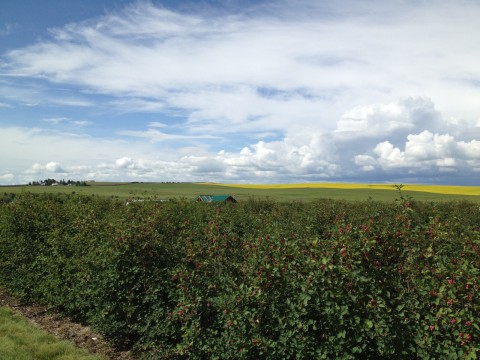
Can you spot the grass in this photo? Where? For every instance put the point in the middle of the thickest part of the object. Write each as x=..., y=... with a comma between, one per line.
x=19, y=340
x=281, y=192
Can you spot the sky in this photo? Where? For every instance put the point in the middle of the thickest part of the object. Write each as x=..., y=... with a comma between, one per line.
x=240, y=91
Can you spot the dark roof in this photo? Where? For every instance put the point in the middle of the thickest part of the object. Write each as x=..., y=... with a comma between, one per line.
x=216, y=198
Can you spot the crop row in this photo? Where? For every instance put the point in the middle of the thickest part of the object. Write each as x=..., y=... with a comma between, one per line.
x=257, y=279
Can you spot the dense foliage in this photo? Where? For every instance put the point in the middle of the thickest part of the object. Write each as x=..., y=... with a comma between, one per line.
x=258, y=279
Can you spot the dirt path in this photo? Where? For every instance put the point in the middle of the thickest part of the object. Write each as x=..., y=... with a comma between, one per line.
x=63, y=327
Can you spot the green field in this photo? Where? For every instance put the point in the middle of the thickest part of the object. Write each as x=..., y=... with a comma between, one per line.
x=19, y=340
x=292, y=192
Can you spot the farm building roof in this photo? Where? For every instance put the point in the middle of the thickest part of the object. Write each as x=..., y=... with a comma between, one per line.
x=216, y=198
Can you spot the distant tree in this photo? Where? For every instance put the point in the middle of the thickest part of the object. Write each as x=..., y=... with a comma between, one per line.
x=50, y=182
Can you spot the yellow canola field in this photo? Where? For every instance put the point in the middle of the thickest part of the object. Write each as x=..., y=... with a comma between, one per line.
x=437, y=189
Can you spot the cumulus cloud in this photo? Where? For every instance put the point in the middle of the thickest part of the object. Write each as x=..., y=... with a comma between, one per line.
x=54, y=167
x=125, y=163
x=424, y=152
x=395, y=118
x=50, y=167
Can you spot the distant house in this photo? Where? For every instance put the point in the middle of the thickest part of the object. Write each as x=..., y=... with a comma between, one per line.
x=216, y=198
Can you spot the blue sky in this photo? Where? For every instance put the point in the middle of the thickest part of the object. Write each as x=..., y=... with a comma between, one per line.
x=240, y=91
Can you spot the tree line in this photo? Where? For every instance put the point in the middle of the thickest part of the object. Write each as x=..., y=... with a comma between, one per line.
x=50, y=182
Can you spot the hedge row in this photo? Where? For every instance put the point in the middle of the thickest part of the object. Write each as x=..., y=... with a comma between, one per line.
x=257, y=279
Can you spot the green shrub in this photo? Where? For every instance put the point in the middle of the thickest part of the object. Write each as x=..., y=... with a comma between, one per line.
x=257, y=279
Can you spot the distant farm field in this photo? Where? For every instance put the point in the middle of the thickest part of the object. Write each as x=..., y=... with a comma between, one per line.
x=280, y=192
x=438, y=189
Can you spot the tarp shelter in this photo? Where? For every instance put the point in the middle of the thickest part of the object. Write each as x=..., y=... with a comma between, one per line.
x=216, y=198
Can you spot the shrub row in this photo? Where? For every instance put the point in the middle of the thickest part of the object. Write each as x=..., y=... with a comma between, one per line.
x=258, y=279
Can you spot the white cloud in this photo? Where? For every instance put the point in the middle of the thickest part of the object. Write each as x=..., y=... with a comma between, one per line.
x=154, y=135
x=153, y=53
x=32, y=93
x=81, y=123
x=425, y=146
x=49, y=168
x=365, y=161
x=389, y=156
x=7, y=179
x=424, y=152
x=54, y=167
x=276, y=161
x=65, y=121
x=381, y=120
x=56, y=120
x=124, y=163
x=157, y=124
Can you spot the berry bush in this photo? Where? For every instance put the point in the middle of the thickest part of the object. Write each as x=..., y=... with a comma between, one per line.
x=253, y=280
